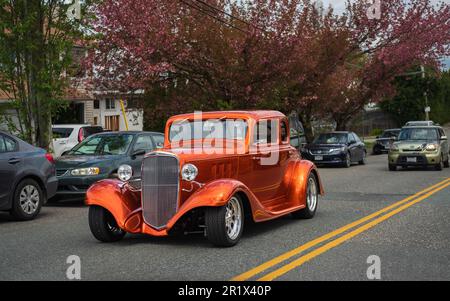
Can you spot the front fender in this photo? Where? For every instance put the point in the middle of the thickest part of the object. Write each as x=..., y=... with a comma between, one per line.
x=116, y=197
x=214, y=194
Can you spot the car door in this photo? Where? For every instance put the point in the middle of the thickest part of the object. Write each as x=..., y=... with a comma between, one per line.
x=360, y=147
x=444, y=142
x=9, y=166
x=266, y=168
x=353, y=147
x=142, y=145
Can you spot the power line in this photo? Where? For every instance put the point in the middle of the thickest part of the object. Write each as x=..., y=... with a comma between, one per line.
x=228, y=14
x=208, y=13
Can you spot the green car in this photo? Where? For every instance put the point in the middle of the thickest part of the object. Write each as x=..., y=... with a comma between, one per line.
x=420, y=146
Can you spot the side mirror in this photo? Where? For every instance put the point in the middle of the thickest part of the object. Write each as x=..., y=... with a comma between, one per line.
x=139, y=152
x=352, y=142
x=378, y=137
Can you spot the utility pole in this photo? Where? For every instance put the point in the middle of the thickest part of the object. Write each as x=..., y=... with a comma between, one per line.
x=425, y=94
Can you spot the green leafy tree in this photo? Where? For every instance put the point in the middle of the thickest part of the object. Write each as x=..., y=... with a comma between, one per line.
x=36, y=40
x=409, y=101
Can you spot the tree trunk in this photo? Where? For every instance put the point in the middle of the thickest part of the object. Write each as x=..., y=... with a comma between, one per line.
x=306, y=121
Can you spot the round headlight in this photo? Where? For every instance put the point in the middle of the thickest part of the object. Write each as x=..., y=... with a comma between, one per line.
x=125, y=172
x=189, y=172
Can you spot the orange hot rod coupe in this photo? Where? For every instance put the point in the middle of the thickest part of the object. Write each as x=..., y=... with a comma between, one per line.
x=213, y=172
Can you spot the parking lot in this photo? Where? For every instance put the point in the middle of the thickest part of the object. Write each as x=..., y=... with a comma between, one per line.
x=411, y=239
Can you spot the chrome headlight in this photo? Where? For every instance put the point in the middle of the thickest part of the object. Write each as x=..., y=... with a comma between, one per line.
x=431, y=147
x=90, y=171
x=125, y=172
x=189, y=172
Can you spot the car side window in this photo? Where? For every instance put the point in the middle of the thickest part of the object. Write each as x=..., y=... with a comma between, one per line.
x=10, y=145
x=159, y=141
x=284, y=131
x=351, y=138
x=144, y=142
x=266, y=132
x=2, y=145
x=356, y=138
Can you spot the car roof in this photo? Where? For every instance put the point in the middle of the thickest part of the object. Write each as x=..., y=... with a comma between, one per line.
x=337, y=132
x=422, y=127
x=72, y=125
x=257, y=114
x=128, y=132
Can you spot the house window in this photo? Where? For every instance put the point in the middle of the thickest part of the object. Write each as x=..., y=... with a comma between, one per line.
x=95, y=120
x=96, y=104
x=110, y=104
x=112, y=123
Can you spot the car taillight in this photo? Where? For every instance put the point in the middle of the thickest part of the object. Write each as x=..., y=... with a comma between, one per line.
x=80, y=135
x=50, y=158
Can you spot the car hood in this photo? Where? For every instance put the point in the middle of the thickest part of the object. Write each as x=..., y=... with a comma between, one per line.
x=67, y=162
x=413, y=144
x=324, y=146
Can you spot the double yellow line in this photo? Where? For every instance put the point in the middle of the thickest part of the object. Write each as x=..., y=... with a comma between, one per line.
x=374, y=218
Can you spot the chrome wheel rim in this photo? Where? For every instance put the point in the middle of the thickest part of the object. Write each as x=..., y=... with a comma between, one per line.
x=311, y=195
x=112, y=226
x=233, y=218
x=29, y=199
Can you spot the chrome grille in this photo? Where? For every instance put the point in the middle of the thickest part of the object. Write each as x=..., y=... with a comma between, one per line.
x=160, y=177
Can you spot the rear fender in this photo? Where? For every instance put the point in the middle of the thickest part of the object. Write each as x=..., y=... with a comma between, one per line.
x=299, y=182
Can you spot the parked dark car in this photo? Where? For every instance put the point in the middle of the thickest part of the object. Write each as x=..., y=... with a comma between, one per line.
x=336, y=148
x=27, y=177
x=383, y=142
x=99, y=156
x=297, y=132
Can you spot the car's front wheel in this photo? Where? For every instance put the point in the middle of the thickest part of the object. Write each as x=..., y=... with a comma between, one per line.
x=312, y=200
x=392, y=167
x=27, y=201
x=224, y=225
x=103, y=225
x=440, y=166
x=447, y=163
x=348, y=161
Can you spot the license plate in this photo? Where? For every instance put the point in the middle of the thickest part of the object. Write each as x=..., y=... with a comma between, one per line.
x=411, y=160
x=318, y=158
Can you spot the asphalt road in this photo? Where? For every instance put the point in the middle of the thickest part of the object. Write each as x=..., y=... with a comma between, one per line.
x=412, y=243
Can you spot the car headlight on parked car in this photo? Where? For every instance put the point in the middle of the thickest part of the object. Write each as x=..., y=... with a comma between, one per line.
x=125, y=172
x=189, y=172
x=337, y=150
x=431, y=147
x=394, y=148
x=90, y=171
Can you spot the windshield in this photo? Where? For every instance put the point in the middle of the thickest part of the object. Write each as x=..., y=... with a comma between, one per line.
x=418, y=134
x=332, y=138
x=208, y=129
x=103, y=145
x=390, y=134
